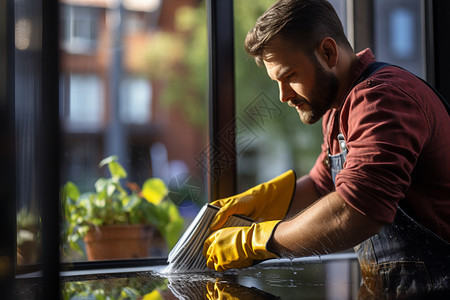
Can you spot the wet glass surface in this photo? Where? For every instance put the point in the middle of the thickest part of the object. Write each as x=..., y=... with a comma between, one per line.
x=334, y=276
x=275, y=279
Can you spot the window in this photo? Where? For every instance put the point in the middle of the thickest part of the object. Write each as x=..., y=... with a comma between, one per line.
x=85, y=98
x=137, y=104
x=342, y=8
x=173, y=143
x=135, y=100
x=399, y=34
x=80, y=28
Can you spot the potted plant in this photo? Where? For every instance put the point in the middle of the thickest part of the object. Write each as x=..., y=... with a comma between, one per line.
x=139, y=215
x=28, y=231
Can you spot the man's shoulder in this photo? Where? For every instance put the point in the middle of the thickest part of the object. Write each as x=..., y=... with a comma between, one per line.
x=391, y=84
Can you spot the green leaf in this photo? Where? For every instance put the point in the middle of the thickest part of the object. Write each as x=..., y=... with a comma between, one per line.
x=99, y=202
x=107, y=160
x=101, y=184
x=116, y=170
x=152, y=214
x=130, y=203
x=154, y=190
x=71, y=191
x=175, y=226
x=82, y=230
x=110, y=189
x=172, y=233
x=73, y=237
x=75, y=247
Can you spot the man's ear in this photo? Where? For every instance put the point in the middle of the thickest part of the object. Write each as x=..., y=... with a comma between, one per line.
x=328, y=51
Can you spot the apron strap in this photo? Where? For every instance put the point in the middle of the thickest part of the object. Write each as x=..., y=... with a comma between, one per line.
x=375, y=66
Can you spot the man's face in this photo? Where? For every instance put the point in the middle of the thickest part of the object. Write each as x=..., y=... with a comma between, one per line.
x=303, y=82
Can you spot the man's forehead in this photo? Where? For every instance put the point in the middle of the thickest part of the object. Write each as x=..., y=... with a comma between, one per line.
x=278, y=47
x=269, y=57
x=276, y=68
x=275, y=48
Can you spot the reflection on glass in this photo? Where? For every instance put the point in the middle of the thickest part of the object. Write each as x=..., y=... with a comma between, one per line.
x=133, y=86
x=275, y=279
x=28, y=241
x=28, y=115
x=23, y=34
x=116, y=288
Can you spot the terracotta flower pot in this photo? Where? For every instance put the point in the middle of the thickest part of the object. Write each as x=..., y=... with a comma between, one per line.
x=119, y=241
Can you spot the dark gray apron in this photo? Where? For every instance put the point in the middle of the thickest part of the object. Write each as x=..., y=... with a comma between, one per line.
x=404, y=260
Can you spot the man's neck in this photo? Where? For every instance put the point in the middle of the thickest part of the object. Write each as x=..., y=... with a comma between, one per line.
x=346, y=66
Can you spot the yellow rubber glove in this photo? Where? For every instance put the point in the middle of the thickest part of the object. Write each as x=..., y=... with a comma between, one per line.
x=217, y=290
x=233, y=291
x=264, y=202
x=238, y=247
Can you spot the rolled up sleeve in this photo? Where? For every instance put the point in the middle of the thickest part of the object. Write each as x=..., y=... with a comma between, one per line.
x=385, y=134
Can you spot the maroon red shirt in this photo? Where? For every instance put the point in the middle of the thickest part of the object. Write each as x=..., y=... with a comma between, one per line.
x=398, y=139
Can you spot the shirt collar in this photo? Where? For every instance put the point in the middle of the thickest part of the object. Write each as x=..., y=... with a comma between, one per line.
x=366, y=57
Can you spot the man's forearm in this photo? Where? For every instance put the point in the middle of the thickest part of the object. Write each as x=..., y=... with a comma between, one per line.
x=329, y=225
x=305, y=195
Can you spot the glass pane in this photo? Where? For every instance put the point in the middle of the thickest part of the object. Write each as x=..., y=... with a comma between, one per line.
x=28, y=101
x=273, y=280
x=133, y=106
x=399, y=34
x=275, y=139
x=341, y=9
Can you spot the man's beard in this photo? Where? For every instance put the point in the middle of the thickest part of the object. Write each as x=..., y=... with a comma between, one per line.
x=322, y=96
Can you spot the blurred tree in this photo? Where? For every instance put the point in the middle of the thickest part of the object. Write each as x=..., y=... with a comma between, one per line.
x=178, y=60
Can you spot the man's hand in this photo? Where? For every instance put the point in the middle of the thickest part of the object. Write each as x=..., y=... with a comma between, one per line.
x=267, y=201
x=238, y=247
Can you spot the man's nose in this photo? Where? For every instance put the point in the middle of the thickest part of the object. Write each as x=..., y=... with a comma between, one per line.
x=286, y=92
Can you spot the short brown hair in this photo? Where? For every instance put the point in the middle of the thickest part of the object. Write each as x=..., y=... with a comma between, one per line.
x=304, y=23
